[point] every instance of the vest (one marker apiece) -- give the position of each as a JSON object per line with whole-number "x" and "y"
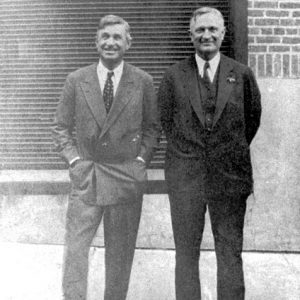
{"x": 208, "y": 99}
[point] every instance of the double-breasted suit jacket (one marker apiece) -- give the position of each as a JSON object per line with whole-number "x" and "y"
{"x": 107, "y": 143}
{"x": 218, "y": 160}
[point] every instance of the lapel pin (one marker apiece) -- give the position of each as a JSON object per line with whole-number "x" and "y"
{"x": 230, "y": 79}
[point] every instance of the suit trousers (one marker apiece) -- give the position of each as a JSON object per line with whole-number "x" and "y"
{"x": 121, "y": 222}
{"x": 227, "y": 213}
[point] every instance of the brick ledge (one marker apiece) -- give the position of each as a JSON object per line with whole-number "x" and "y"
{"x": 54, "y": 182}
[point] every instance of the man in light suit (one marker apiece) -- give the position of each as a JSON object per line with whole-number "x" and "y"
{"x": 106, "y": 128}
{"x": 210, "y": 112}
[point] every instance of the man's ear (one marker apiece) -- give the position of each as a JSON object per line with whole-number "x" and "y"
{"x": 128, "y": 44}
{"x": 191, "y": 35}
{"x": 97, "y": 40}
{"x": 224, "y": 32}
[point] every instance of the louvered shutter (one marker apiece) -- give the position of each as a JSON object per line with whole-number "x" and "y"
{"x": 44, "y": 40}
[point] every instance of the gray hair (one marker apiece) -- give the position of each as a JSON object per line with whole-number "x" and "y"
{"x": 114, "y": 20}
{"x": 205, "y": 10}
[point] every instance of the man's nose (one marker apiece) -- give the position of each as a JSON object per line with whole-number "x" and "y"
{"x": 110, "y": 41}
{"x": 206, "y": 34}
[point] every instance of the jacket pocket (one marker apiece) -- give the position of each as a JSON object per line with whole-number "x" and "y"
{"x": 139, "y": 171}
{"x": 81, "y": 174}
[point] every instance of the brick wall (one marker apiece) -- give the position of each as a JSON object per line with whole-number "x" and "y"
{"x": 274, "y": 38}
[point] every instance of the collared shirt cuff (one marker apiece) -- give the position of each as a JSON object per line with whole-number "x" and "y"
{"x": 73, "y": 160}
{"x": 140, "y": 159}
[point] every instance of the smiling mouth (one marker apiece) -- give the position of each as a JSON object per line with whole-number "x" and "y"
{"x": 207, "y": 44}
{"x": 110, "y": 51}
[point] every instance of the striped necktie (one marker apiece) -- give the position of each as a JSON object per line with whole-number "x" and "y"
{"x": 206, "y": 78}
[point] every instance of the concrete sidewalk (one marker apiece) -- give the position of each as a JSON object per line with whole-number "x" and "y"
{"x": 33, "y": 272}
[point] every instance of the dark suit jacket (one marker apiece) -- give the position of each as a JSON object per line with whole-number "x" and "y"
{"x": 216, "y": 161}
{"x": 107, "y": 144}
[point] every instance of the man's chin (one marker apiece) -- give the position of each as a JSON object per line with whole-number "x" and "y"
{"x": 110, "y": 61}
{"x": 207, "y": 53}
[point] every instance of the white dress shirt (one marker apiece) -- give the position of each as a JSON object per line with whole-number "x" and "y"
{"x": 102, "y": 75}
{"x": 213, "y": 65}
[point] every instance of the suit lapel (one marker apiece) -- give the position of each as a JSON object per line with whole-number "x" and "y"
{"x": 93, "y": 96}
{"x": 225, "y": 87}
{"x": 192, "y": 88}
{"x": 121, "y": 99}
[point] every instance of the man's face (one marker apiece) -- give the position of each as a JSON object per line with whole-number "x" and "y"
{"x": 112, "y": 44}
{"x": 207, "y": 34}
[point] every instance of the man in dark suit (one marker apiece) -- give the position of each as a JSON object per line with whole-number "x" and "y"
{"x": 210, "y": 112}
{"x": 106, "y": 128}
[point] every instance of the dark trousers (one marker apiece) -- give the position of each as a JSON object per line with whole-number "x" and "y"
{"x": 227, "y": 220}
{"x": 120, "y": 232}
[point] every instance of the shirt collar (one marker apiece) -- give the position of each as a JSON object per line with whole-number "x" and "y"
{"x": 102, "y": 70}
{"x": 213, "y": 63}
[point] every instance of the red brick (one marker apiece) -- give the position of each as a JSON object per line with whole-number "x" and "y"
{"x": 254, "y": 31}
{"x": 251, "y": 40}
{"x": 291, "y": 40}
{"x": 296, "y": 14}
{"x": 277, "y": 65}
{"x": 277, "y": 13}
{"x": 269, "y": 65}
{"x": 250, "y": 21}
{"x": 252, "y": 62}
{"x": 255, "y": 13}
{"x": 287, "y": 22}
{"x": 250, "y": 4}
{"x": 261, "y": 65}
{"x": 286, "y": 65}
{"x": 268, "y": 39}
{"x": 265, "y": 4}
{"x": 290, "y": 5}
{"x": 295, "y": 71}
{"x": 291, "y": 31}
{"x": 296, "y": 48}
{"x": 266, "y": 31}
{"x": 297, "y": 22}
{"x": 279, "y": 48}
{"x": 266, "y": 22}
{"x": 279, "y": 31}
{"x": 256, "y": 48}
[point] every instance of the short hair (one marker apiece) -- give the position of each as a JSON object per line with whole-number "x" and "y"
{"x": 205, "y": 10}
{"x": 114, "y": 20}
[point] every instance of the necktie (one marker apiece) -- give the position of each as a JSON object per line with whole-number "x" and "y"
{"x": 209, "y": 104}
{"x": 205, "y": 74}
{"x": 108, "y": 92}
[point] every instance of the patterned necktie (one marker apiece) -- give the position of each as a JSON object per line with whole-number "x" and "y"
{"x": 209, "y": 104}
{"x": 108, "y": 92}
{"x": 206, "y": 78}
